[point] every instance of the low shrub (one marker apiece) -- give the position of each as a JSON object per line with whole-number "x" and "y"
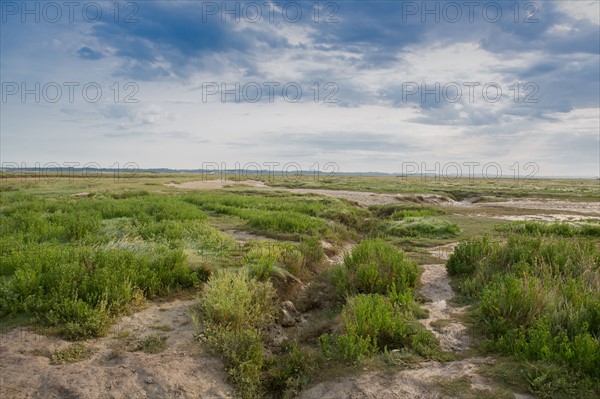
{"x": 414, "y": 213}
{"x": 288, "y": 372}
{"x": 243, "y": 354}
{"x": 375, "y": 266}
{"x": 234, "y": 300}
{"x": 235, "y": 308}
{"x": 403, "y": 210}
{"x": 77, "y": 289}
{"x": 537, "y": 298}
{"x": 72, "y": 354}
{"x": 509, "y": 303}
{"x": 463, "y": 260}
{"x": 373, "y": 324}
{"x": 286, "y": 255}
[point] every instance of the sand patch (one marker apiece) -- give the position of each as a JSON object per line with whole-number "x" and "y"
{"x": 183, "y": 370}
{"x": 417, "y": 383}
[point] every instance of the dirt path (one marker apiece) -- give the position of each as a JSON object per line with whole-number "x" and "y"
{"x": 182, "y": 370}
{"x": 442, "y": 321}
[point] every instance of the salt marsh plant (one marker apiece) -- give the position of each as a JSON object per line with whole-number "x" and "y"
{"x": 375, "y": 266}
{"x": 537, "y": 298}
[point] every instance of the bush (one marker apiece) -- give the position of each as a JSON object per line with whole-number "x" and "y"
{"x": 289, "y": 371}
{"x": 466, "y": 255}
{"x": 75, "y": 263}
{"x": 375, "y": 266}
{"x": 234, "y": 300}
{"x": 235, "y": 308}
{"x": 414, "y": 213}
{"x": 347, "y": 348}
{"x": 153, "y": 343}
{"x": 509, "y": 303}
{"x": 77, "y": 289}
{"x": 312, "y": 251}
{"x": 270, "y": 254}
{"x": 538, "y": 298}
{"x": 373, "y": 324}
{"x": 373, "y": 316}
{"x": 242, "y": 352}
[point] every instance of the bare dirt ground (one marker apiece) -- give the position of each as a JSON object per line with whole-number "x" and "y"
{"x": 537, "y": 210}
{"x": 418, "y": 383}
{"x": 182, "y": 370}
{"x": 451, "y": 333}
{"x": 337, "y": 257}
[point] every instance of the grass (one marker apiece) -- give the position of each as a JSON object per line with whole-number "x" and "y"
{"x": 403, "y": 210}
{"x": 152, "y": 344}
{"x": 379, "y": 315}
{"x": 375, "y": 266}
{"x": 162, "y": 327}
{"x": 72, "y": 354}
{"x": 542, "y": 379}
{"x": 237, "y": 301}
{"x": 584, "y": 189}
{"x": 536, "y": 298}
{"x": 373, "y": 324}
{"x": 551, "y": 229}
{"x": 74, "y": 264}
{"x": 284, "y": 215}
{"x": 235, "y": 308}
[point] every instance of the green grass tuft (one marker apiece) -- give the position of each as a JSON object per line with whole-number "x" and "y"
{"x": 375, "y": 266}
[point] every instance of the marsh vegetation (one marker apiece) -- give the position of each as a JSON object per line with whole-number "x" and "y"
{"x": 316, "y": 287}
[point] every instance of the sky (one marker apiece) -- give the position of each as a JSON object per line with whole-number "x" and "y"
{"x": 466, "y": 87}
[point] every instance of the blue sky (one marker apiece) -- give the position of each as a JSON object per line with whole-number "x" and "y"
{"x": 383, "y": 84}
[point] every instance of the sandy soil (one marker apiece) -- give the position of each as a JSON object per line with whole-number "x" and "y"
{"x": 435, "y": 285}
{"x": 418, "y": 383}
{"x": 338, "y": 257}
{"x": 443, "y": 252}
{"x": 183, "y": 370}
